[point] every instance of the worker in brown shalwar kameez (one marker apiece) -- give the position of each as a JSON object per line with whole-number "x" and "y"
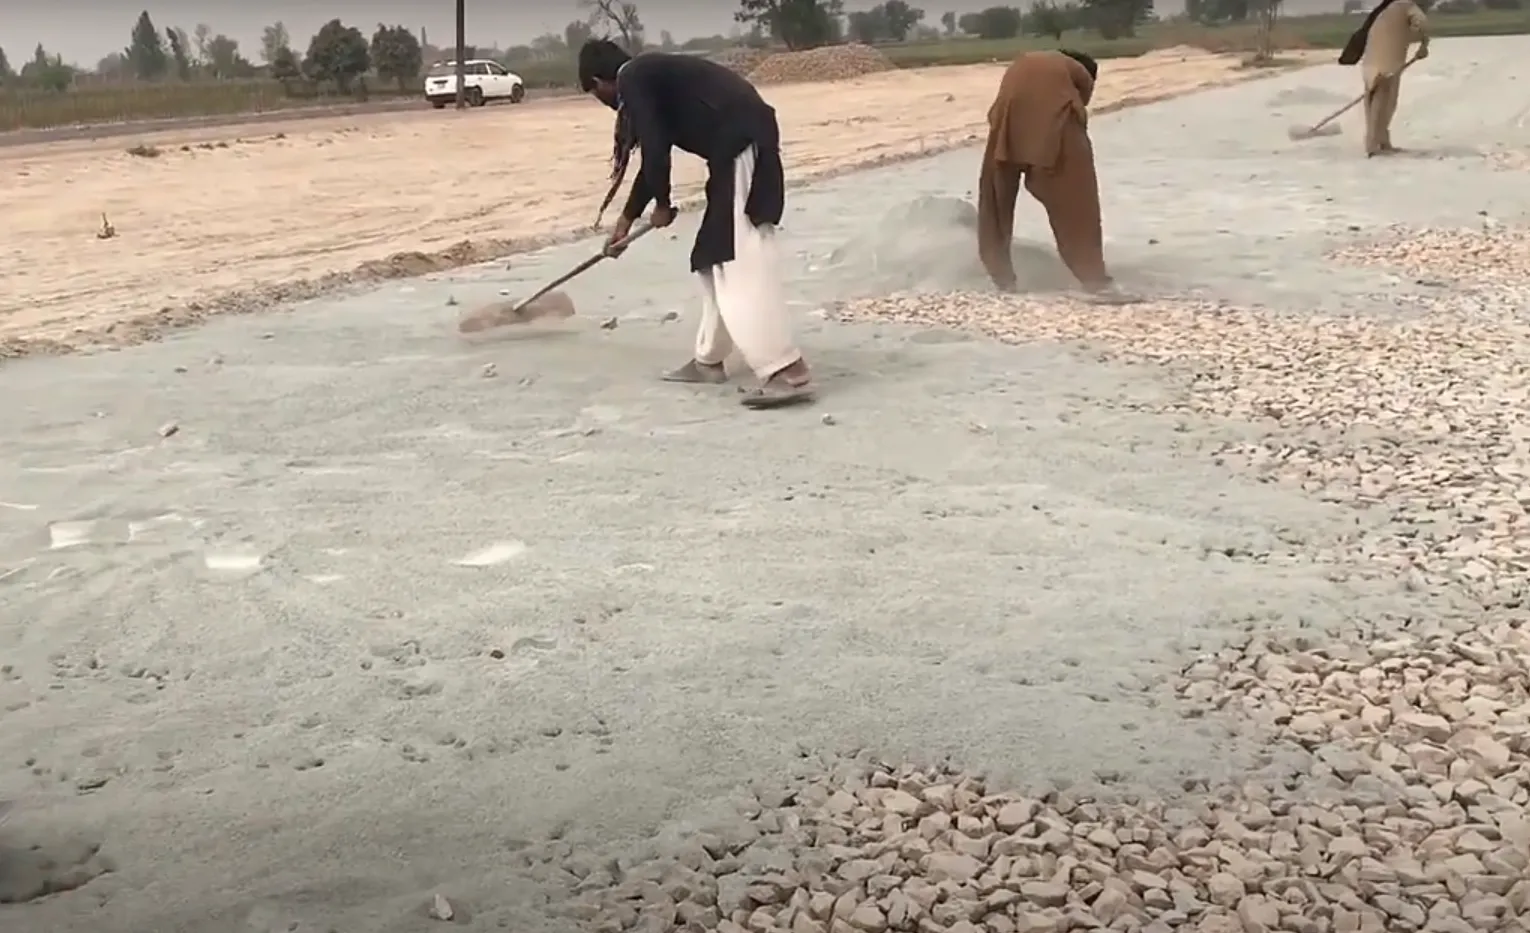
{"x": 1381, "y": 44}
{"x": 1038, "y": 130}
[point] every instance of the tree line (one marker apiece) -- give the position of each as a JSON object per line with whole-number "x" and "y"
{"x": 337, "y": 54}
{"x": 800, "y": 24}
{"x": 341, "y": 55}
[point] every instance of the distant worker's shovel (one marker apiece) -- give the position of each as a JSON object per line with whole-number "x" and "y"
{"x": 1326, "y": 126}
{"x": 547, "y": 303}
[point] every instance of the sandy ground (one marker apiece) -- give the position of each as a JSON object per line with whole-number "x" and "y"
{"x": 233, "y": 217}
{"x": 307, "y": 619}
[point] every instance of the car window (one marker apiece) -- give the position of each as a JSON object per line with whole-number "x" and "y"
{"x": 496, "y": 69}
{"x": 439, "y": 70}
{"x": 482, "y": 69}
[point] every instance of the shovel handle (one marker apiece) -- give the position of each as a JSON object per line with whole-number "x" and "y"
{"x": 1352, "y": 104}
{"x": 584, "y": 267}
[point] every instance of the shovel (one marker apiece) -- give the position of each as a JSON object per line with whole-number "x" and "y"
{"x": 547, "y": 303}
{"x": 1322, "y": 127}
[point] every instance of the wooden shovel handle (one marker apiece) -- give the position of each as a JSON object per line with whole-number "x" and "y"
{"x": 583, "y": 267}
{"x": 1352, "y": 104}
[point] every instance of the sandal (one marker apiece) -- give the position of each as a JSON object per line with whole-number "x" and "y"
{"x": 697, "y": 373}
{"x": 778, "y": 393}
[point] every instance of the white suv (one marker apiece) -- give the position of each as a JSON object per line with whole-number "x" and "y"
{"x": 486, "y": 80}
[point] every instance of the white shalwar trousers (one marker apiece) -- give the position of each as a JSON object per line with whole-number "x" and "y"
{"x": 743, "y": 305}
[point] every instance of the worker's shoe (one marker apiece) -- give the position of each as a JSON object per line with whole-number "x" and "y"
{"x": 696, "y": 372}
{"x": 792, "y": 385}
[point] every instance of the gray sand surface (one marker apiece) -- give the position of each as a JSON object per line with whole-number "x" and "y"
{"x": 244, "y": 661}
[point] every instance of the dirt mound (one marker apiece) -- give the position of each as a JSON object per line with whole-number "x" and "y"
{"x": 742, "y": 60}
{"x": 830, "y": 63}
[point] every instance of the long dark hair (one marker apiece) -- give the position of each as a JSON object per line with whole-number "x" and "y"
{"x": 623, "y": 143}
{"x": 601, "y": 60}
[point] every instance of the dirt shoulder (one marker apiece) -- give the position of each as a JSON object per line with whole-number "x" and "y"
{"x": 239, "y": 218}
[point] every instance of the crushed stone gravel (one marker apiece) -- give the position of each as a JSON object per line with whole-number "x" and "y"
{"x": 1408, "y": 808}
{"x": 829, "y": 63}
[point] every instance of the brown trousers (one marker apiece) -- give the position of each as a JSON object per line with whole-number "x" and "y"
{"x": 1070, "y": 193}
{"x": 1380, "y": 108}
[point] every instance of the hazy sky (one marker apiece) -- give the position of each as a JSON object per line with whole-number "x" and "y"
{"x": 93, "y": 28}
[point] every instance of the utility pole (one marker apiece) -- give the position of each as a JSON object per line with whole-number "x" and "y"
{"x": 461, "y": 54}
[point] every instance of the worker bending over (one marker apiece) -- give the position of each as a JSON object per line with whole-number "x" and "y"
{"x": 1038, "y": 130}
{"x": 1381, "y": 44}
{"x": 666, "y": 102}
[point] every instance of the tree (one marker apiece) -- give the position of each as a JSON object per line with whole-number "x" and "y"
{"x": 901, "y": 18}
{"x": 47, "y": 72}
{"x": 1217, "y": 12}
{"x": 618, "y": 20}
{"x": 147, "y": 53}
{"x": 396, "y": 54}
{"x": 7, "y": 74}
{"x": 867, "y": 25}
{"x": 575, "y": 34}
{"x": 1117, "y": 19}
{"x": 337, "y": 53}
{"x": 797, "y": 24}
{"x": 666, "y": 41}
{"x": 273, "y": 39}
{"x": 996, "y": 22}
{"x": 178, "y": 53}
{"x": 285, "y": 66}
{"x": 1267, "y": 12}
{"x": 948, "y": 22}
{"x": 114, "y": 66}
{"x": 1045, "y": 19}
{"x": 202, "y": 35}
{"x": 223, "y": 58}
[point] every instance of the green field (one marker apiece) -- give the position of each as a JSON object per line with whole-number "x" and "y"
{"x": 38, "y": 109}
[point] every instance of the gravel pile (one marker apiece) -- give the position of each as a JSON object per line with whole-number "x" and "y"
{"x": 1429, "y": 834}
{"x": 1402, "y": 799}
{"x": 742, "y": 59}
{"x": 1420, "y": 420}
{"x": 1494, "y": 255}
{"x": 830, "y": 63}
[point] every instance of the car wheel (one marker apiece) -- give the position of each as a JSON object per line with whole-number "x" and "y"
{"x": 517, "y": 93}
{"x": 438, "y": 104}
{"x": 475, "y": 97}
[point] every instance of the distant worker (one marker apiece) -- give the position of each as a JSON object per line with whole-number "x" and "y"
{"x": 664, "y": 101}
{"x": 1038, "y": 130}
{"x": 1381, "y": 43}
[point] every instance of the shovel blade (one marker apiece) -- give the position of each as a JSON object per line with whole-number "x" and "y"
{"x": 553, "y": 306}
{"x": 1313, "y": 132}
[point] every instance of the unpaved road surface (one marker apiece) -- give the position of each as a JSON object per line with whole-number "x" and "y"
{"x": 324, "y": 620}
{"x": 241, "y": 218}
